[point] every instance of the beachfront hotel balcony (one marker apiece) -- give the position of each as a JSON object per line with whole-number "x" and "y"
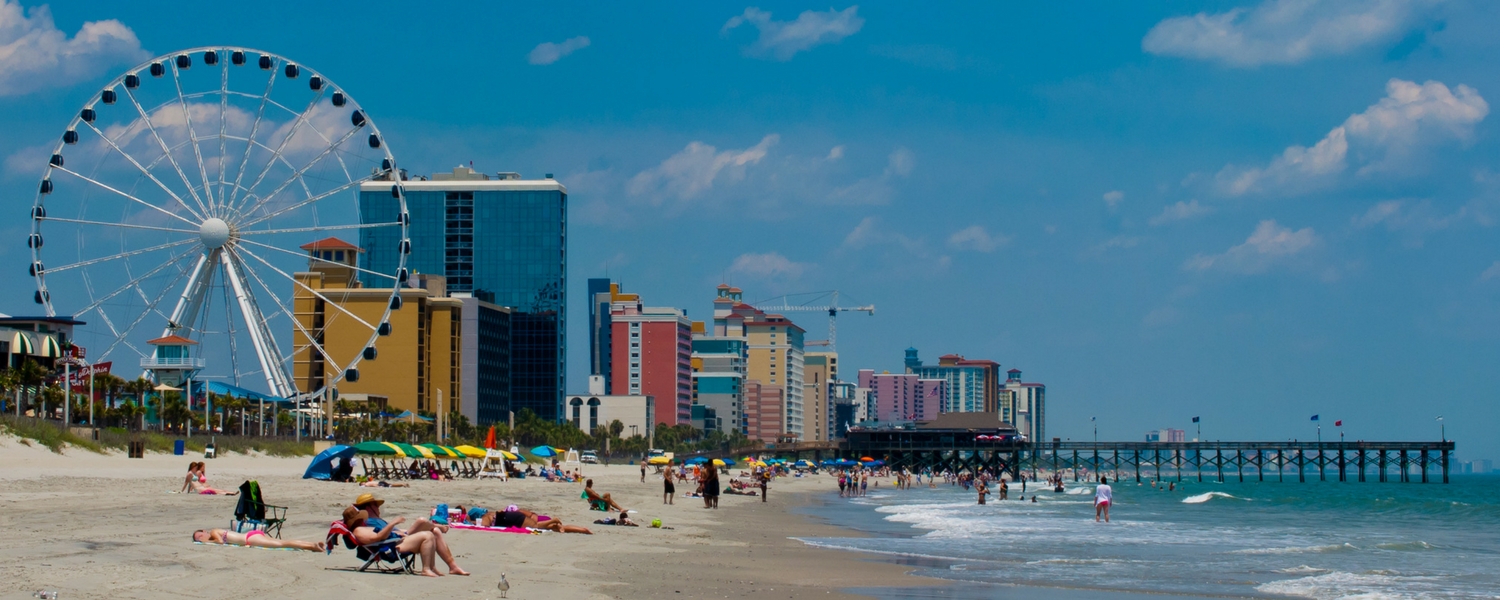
{"x": 156, "y": 362}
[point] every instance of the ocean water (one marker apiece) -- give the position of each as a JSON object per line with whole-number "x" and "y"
{"x": 1275, "y": 540}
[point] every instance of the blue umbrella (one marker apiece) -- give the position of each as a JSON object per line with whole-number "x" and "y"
{"x": 696, "y": 460}
{"x": 321, "y": 467}
{"x": 875, "y": 463}
{"x": 544, "y": 451}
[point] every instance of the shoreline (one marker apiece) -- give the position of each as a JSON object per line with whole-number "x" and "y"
{"x": 106, "y": 526}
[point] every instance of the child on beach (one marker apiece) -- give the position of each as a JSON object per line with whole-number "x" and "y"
{"x": 1102, "y": 497}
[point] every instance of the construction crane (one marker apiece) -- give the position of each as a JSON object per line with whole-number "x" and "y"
{"x": 832, "y": 308}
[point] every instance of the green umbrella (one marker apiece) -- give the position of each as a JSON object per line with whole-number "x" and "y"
{"x": 414, "y": 451}
{"x": 443, "y": 451}
{"x": 378, "y": 449}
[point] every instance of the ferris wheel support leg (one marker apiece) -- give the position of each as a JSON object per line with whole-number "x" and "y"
{"x": 271, "y": 362}
{"x": 192, "y": 296}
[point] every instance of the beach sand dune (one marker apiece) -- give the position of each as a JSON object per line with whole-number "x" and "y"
{"x": 105, "y": 526}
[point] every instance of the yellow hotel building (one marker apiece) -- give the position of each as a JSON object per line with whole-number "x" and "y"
{"x": 415, "y": 364}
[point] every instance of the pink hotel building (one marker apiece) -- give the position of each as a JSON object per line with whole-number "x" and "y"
{"x": 904, "y": 396}
{"x": 651, "y": 352}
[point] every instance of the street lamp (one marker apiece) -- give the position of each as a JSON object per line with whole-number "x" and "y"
{"x": 1095, "y": 421}
{"x": 1442, "y": 428}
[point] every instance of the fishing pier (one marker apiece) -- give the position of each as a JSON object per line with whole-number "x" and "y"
{"x": 998, "y": 451}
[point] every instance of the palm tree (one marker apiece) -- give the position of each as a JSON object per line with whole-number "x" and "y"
{"x": 9, "y": 385}
{"x": 30, "y": 376}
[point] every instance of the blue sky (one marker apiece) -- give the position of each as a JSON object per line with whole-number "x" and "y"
{"x": 1248, "y": 211}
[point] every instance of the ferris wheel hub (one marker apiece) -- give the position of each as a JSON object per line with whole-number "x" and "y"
{"x": 214, "y": 232}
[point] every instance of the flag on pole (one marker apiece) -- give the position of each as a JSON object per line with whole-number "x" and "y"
{"x": 1195, "y": 419}
{"x": 1338, "y": 423}
{"x": 1315, "y": 417}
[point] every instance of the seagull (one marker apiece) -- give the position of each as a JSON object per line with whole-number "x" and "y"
{"x": 504, "y": 586}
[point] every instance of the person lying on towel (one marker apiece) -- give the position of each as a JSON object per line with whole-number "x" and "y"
{"x": 254, "y": 538}
{"x": 514, "y": 516}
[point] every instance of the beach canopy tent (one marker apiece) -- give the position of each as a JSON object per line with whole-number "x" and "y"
{"x": 544, "y": 451}
{"x": 411, "y": 416}
{"x": 321, "y": 467}
{"x": 470, "y": 451}
{"x": 379, "y": 449}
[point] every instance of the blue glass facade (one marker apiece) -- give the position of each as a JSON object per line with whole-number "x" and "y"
{"x": 600, "y": 331}
{"x": 503, "y": 241}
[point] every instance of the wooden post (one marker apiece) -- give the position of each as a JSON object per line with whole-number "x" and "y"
{"x": 1381, "y": 460}
{"x": 1405, "y": 466}
{"x": 1301, "y": 466}
{"x": 1361, "y": 465}
{"x": 1341, "y": 464}
{"x": 1424, "y": 465}
{"x": 1177, "y": 458}
{"x": 1138, "y": 465}
{"x": 1075, "y": 466}
{"x": 1445, "y": 465}
{"x": 1219, "y": 462}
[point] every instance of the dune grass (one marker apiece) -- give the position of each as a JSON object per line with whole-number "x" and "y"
{"x": 56, "y": 438}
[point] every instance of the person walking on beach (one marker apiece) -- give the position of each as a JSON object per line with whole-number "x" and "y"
{"x": 765, "y": 480}
{"x": 669, "y": 490}
{"x": 643, "y": 470}
{"x": 1102, "y": 497}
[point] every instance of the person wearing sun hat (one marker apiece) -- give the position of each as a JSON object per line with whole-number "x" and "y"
{"x": 422, "y": 543}
{"x": 370, "y": 504}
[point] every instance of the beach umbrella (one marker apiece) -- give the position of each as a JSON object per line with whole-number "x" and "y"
{"x": 866, "y": 459}
{"x": 414, "y": 451}
{"x": 379, "y": 449}
{"x": 509, "y": 456}
{"x": 659, "y": 460}
{"x": 442, "y": 451}
{"x": 875, "y": 463}
{"x": 696, "y": 460}
{"x": 720, "y": 462}
{"x": 470, "y": 451}
{"x": 489, "y": 439}
{"x": 321, "y": 467}
{"x": 544, "y": 451}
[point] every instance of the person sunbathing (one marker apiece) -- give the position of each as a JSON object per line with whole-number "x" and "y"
{"x": 371, "y": 505}
{"x": 382, "y": 483}
{"x": 254, "y": 538}
{"x": 197, "y": 482}
{"x": 514, "y": 516}
{"x": 593, "y": 496}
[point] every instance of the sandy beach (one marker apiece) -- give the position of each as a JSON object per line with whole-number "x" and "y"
{"x": 106, "y": 526}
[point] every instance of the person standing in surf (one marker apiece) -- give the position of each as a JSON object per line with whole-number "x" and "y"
{"x": 1103, "y": 495}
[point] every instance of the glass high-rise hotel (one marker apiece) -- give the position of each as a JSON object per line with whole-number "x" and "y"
{"x": 504, "y": 241}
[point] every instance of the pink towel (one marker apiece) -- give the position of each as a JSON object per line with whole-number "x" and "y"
{"x": 498, "y": 529}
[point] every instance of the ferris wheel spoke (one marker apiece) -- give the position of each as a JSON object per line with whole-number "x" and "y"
{"x": 297, "y": 174}
{"x": 255, "y": 323}
{"x": 150, "y": 308}
{"x": 165, "y": 150}
{"x": 318, "y": 228}
{"x": 317, "y": 259}
{"x": 121, "y": 255}
{"x": 134, "y": 282}
{"x": 260, "y": 113}
{"x": 223, "y": 132}
{"x": 291, "y": 133}
{"x": 187, "y": 118}
{"x": 122, "y": 225}
{"x": 143, "y": 170}
{"x": 312, "y": 341}
{"x": 307, "y": 289}
{"x": 303, "y": 203}
{"x": 130, "y": 197}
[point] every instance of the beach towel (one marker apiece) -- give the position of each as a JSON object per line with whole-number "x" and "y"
{"x": 239, "y": 546}
{"x": 495, "y": 529}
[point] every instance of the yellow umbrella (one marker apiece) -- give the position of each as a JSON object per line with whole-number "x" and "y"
{"x": 509, "y": 456}
{"x": 470, "y": 451}
{"x": 411, "y": 451}
{"x": 659, "y": 460}
{"x": 444, "y": 451}
{"x": 719, "y": 462}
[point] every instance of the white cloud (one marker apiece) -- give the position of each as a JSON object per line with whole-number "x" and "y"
{"x": 693, "y": 171}
{"x": 976, "y": 238}
{"x": 1384, "y": 137}
{"x": 1412, "y": 220}
{"x": 1283, "y": 31}
{"x": 836, "y": 153}
{"x": 1493, "y": 272}
{"x": 547, "y": 53}
{"x": 878, "y": 189}
{"x": 1181, "y": 211}
{"x": 1113, "y": 198}
{"x": 862, "y": 235}
{"x": 1267, "y": 245}
{"x": 771, "y": 265}
{"x": 35, "y": 54}
{"x": 782, "y": 40}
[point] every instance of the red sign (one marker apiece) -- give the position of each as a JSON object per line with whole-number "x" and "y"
{"x": 79, "y": 377}
{"x": 76, "y": 352}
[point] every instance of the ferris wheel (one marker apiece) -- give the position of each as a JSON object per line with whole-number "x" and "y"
{"x": 182, "y": 199}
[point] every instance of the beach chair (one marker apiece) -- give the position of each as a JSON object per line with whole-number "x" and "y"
{"x": 252, "y": 512}
{"x": 382, "y": 556}
{"x": 599, "y": 505}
